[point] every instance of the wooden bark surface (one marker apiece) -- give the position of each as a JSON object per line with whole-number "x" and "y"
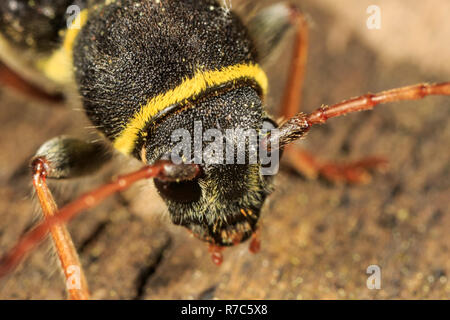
{"x": 317, "y": 239}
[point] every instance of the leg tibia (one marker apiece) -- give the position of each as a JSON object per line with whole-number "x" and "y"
{"x": 76, "y": 284}
{"x": 67, "y": 157}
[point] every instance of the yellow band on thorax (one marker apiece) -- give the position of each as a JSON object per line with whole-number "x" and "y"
{"x": 189, "y": 88}
{"x": 59, "y": 66}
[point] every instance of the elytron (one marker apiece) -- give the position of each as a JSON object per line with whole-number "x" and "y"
{"x": 145, "y": 68}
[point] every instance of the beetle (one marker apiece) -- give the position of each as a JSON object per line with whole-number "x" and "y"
{"x": 140, "y": 79}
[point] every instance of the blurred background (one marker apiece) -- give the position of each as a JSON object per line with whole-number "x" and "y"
{"x": 317, "y": 239}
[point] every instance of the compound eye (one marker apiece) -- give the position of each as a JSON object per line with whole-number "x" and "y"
{"x": 181, "y": 192}
{"x": 269, "y": 124}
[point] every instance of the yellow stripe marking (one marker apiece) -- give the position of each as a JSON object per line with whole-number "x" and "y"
{"x": 189, "y": 88}
{"x": 59, "y": 66}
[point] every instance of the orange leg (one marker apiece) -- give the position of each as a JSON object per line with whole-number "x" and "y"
{"x": 292, "y": 97}
{"x": 300, "y": 160}
{"x": 75, "y": 280}
{"x": 163, "y": 170}
{"x": 12, "y": 80}
{"x": 353, "y": 172}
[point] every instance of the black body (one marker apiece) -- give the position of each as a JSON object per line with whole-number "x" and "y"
{"x": 35, "y": 24}
{"x": 130, "y": 51}
{"x": 144, "y": 48}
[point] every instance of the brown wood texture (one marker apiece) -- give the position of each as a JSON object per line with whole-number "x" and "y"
{"x": 317, "y": 239}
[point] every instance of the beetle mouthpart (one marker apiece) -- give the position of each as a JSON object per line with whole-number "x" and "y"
{"x": 216, "y": 254}
{"x": 255, "y": 242}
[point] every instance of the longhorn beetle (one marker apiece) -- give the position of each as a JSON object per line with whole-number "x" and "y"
{"x": 146, "y": 68}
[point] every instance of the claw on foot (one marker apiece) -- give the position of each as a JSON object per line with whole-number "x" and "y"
{"x": 356, "y": 173}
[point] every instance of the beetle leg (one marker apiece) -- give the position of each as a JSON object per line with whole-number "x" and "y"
{"x": 163, "y": 170}
{"x": 356, "y": 172}
{"x": 267, "y": 28}
{"x": 292, "y": 96}
{"x": 61, "y": 158}
{"x": 271, "y": 25}
{"x": 69, "y": 157}
{"x": 76, "y": 283}
{"x": 12, "y": 80}
{"x": 299, "y": 159}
